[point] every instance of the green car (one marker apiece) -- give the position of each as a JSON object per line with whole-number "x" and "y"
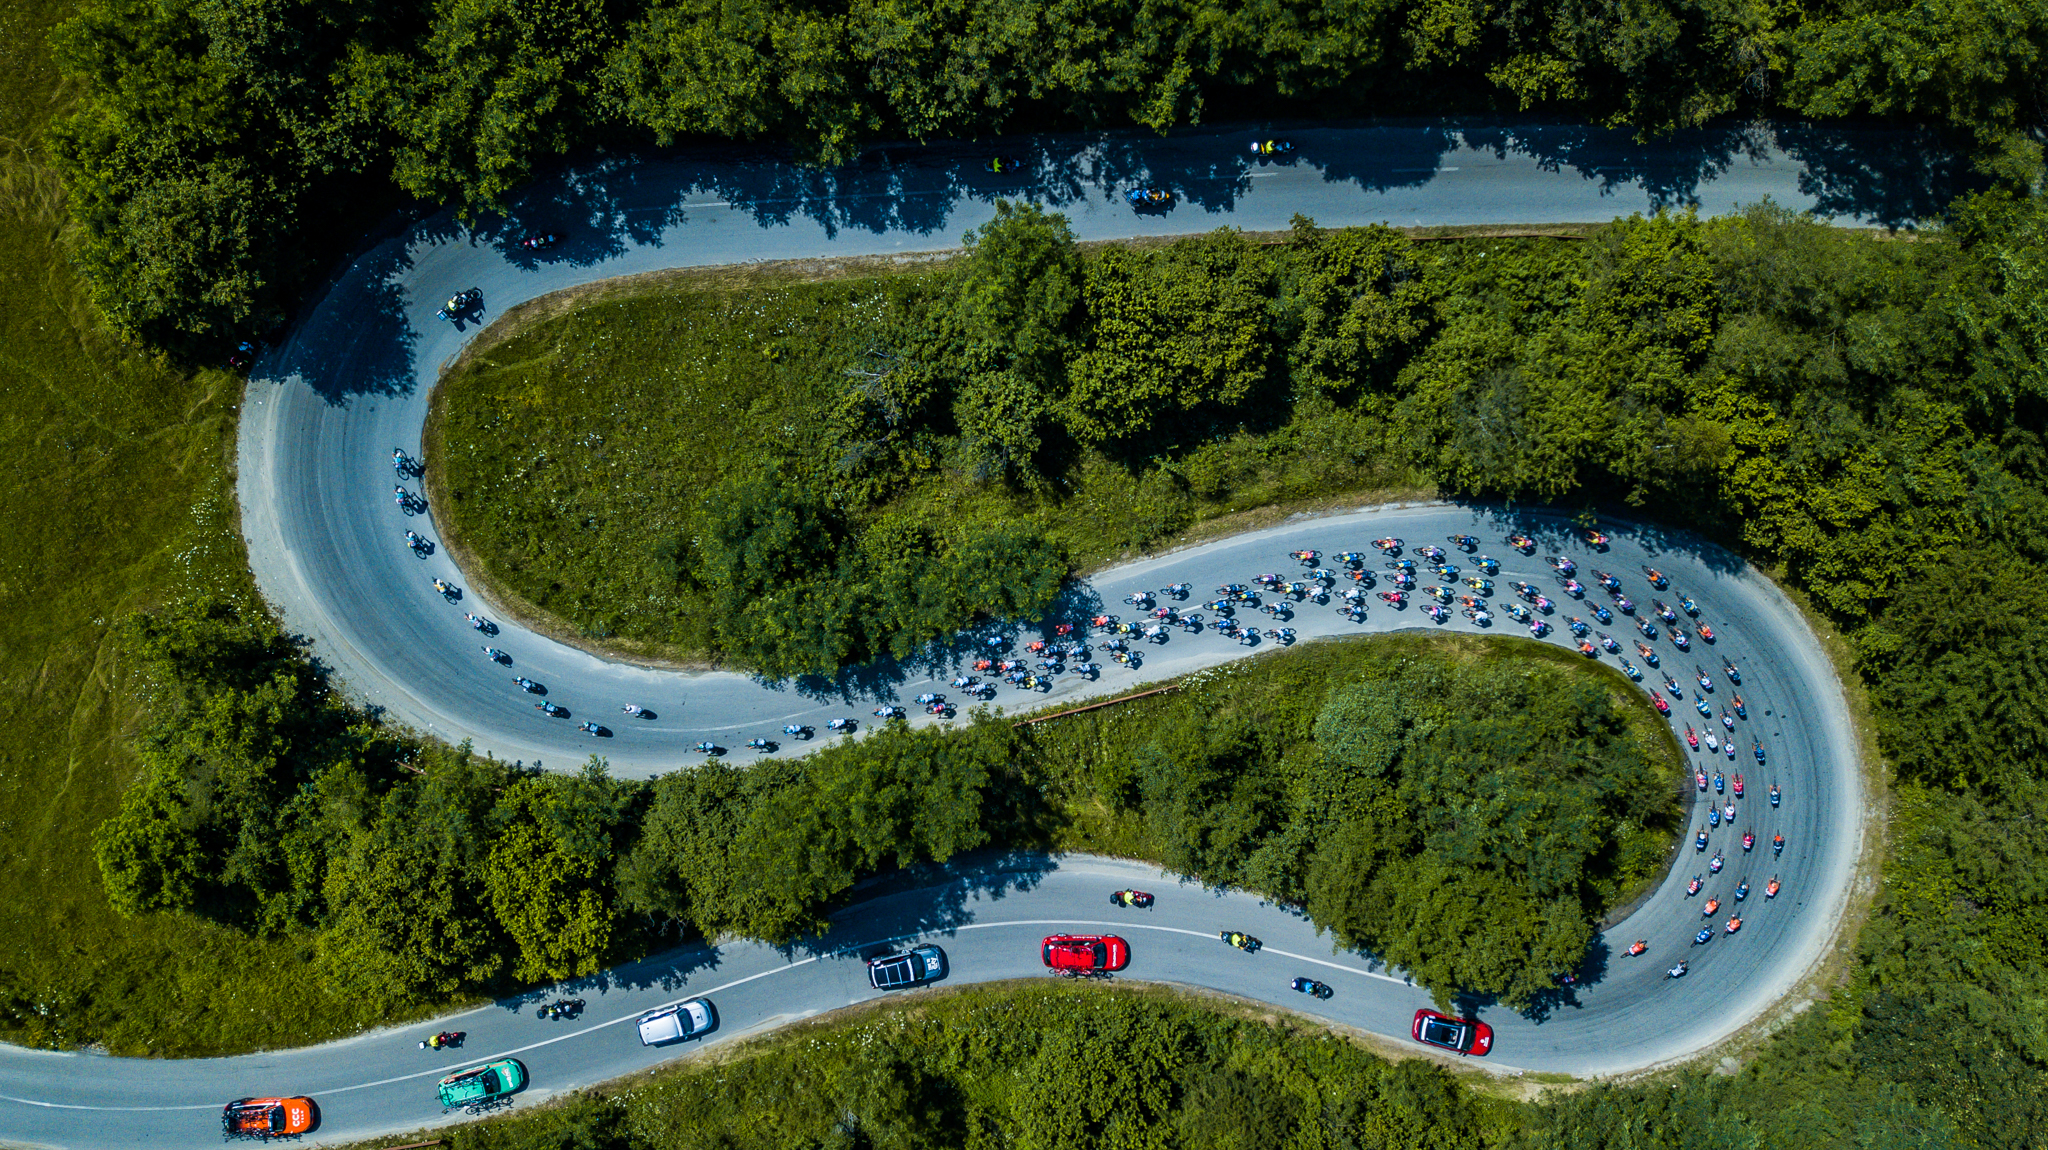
{"x": 481, "y": 1086}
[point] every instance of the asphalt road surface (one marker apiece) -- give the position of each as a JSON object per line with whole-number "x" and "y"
{"x": 326, "y": 541}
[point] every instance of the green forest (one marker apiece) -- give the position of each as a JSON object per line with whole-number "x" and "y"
{"x": 1831, "y": 403}
{"x": 217, "y": 143}
{"x": 1366, "y": 778}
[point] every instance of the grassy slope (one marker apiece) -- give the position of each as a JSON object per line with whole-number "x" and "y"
{"x": 119, "y": 496}
{"x": 572, "y": 447}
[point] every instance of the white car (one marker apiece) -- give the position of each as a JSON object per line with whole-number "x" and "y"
{"x": 675, "y": 1023}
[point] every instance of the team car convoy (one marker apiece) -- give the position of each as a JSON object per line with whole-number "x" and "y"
{"x": 267, "y": 1117}
{"x": 676, "y": 1022}
{"x": 1098, "y": 955}
{"x": 1085, "y": 954}
{"x": 910, "y": 968}
{"x": 1462, "y": 1035}
{"x": 482, "y": 1087}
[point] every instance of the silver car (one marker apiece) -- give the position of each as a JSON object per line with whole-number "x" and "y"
{"x": 675, "y": 1023}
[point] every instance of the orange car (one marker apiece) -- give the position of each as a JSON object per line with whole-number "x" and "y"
{"x": 267, "y": 1117}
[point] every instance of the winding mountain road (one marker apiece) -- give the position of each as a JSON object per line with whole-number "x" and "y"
{"x": 325, "y": 541}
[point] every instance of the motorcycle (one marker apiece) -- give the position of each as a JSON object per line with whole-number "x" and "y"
{"x": 1240, "y": 940}
{"x": 559, "y": 1009}
{"x": 1131, "y": 898}
{"x": 1312, "y": 988}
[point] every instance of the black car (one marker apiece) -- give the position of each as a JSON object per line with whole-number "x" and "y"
{"x": 910, "y": 968}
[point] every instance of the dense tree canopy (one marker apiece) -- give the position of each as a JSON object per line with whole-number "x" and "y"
{"x": 214, "y": 134}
